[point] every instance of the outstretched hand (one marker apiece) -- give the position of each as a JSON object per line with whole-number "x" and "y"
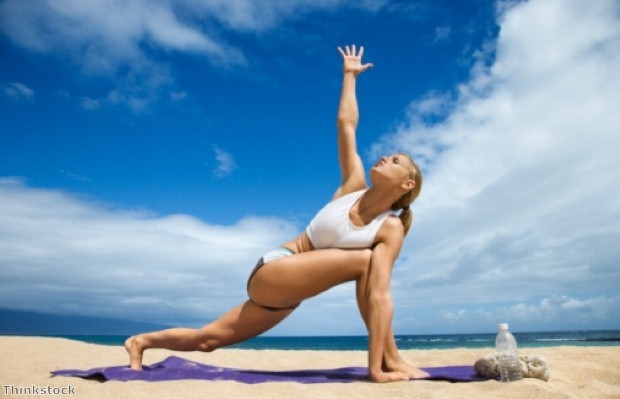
{"x": 352, "y": 62}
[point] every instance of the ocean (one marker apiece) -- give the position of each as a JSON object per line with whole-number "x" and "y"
{"x": 440, "y": 341}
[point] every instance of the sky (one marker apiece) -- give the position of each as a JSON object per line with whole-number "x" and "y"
{"x": 152, "y": 151}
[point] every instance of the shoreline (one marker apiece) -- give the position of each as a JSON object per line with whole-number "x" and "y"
{"x": 576, "y": 372}
{"x": 526, "y": 340}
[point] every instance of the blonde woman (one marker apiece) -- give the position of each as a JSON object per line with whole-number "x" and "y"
{"x": 355, "y": 237}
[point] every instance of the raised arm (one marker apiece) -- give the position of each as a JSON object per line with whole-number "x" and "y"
{"x": 353, "y": 175}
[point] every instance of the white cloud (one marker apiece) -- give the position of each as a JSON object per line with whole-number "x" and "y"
{"x": 250, "y": 15}
{"x": 225, "y": 163}
{"x": 90, "y": 104}
{"x": 442, "y": 33}
{"x": 62, "y": 253}
{"x": 74, "y": 176}
{"x": 103, "y": 36}
{"x": 126, "y": 41}
{"x": 547, "y": 314}
{"x": 18, "y": 92}
{"x": 178, "y": 96}
{"x": 521, "y": 197}
{"x": 450, "y": 316}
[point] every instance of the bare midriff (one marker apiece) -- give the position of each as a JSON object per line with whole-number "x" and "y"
{"x": 300, "y": 244}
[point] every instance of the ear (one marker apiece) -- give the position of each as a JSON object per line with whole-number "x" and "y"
{"x": 408, "y": 185}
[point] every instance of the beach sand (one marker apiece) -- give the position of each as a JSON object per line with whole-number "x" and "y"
{"x": 576, "y": 372}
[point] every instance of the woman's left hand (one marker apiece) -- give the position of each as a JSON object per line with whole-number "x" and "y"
{"x": 352, "y": 62}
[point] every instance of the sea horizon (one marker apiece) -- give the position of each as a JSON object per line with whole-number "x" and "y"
{"x": 531, "y": 339}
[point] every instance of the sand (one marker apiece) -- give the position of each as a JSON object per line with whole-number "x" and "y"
{"x": 576, "y": 372}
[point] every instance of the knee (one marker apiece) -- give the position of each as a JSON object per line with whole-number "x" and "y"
{"x": 204, "y": 342}
{"x": 208, "y": 346}
{"x": 205, "y": 347}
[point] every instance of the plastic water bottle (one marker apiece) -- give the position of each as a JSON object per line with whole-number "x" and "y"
{"x": 507, "y": 354}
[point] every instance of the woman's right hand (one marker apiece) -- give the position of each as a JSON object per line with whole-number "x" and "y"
{"x": 352, "y": 62}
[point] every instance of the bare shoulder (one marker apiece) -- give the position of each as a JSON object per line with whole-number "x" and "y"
{"x": 391, "y": 231}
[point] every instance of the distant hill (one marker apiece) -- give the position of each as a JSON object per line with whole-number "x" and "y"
{"x": 13, "y": 322}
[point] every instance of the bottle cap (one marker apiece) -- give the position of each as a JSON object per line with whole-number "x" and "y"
{"x": 502, "y": 326}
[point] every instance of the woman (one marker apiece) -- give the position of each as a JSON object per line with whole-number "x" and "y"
{"x": 355, "y": 237}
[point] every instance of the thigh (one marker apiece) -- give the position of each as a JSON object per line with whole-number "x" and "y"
{"x": 287, "y": 281}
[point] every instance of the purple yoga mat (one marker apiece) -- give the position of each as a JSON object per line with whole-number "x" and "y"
{"x": 177, "y": 368}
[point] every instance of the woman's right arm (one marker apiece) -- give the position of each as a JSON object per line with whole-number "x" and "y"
{"x": 353, "y": 174}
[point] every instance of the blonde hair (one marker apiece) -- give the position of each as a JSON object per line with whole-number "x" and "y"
{"x": 406, "y": 215}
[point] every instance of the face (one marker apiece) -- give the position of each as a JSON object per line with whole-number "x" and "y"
{"x": 392, "y": 169}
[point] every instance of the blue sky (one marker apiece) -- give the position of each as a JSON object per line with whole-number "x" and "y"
{"x": 151, "y": 151}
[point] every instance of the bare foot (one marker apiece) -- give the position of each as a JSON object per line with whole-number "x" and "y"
{"x": 134, "y": 349}
{"x": 391, "y": 376}
{"x": 409, "y": 370}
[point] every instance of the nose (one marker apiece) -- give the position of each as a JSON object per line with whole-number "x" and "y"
{"x": 382, "y": 161}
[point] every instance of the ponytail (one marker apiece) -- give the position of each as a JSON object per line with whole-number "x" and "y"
{"x": 406, "y": 215}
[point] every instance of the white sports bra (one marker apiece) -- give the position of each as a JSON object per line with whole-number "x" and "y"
{"x": 332, "y": 227}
